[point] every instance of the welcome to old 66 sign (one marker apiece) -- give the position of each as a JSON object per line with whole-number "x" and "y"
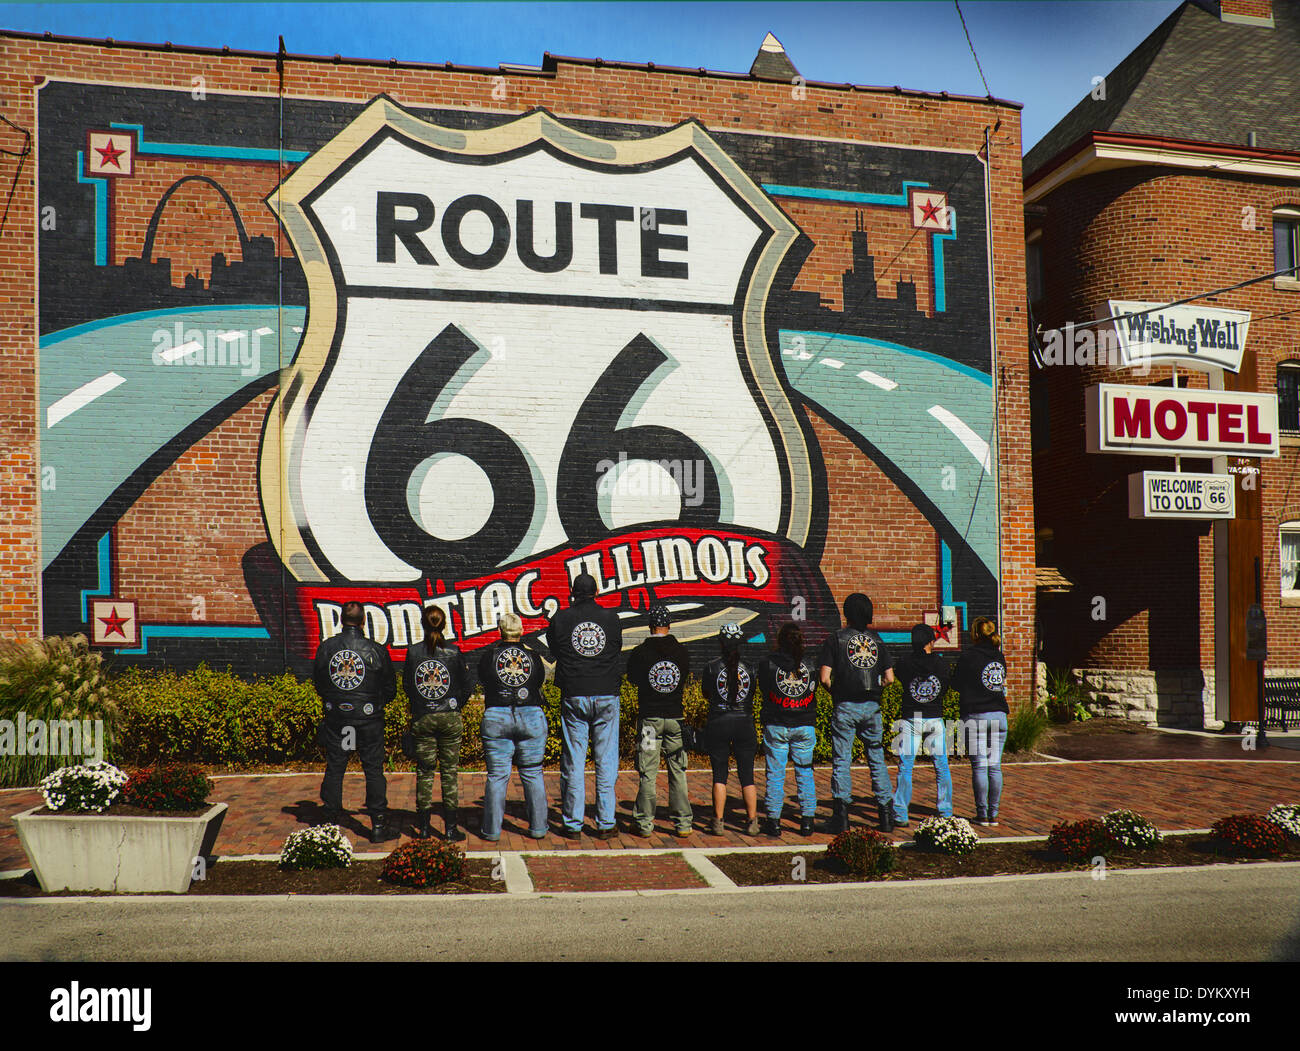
{"x": 506, "y": 327}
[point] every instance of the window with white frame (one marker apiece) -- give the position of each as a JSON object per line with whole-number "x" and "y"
{"x": 1289, "y": 534}
{"x": 1286, "y": 240}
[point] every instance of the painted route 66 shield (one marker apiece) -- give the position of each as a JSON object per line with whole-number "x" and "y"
{"x": 524, "y": 341}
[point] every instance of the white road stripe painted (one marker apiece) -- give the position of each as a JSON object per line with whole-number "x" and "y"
{"x": 831, "y": 363}
{"x": 877, "y": 379}
{"x": 975, "y": 445}
{"x": 181, "y": 351}
{"x": 81, "y": 397}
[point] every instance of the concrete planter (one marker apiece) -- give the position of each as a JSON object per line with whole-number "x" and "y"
{"x": 120, "y": 854}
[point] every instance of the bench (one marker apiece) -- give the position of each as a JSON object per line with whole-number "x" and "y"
{"x": 1281, "y": 702}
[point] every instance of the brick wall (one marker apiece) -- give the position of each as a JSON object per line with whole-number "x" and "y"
{"x": 184, "y": 531}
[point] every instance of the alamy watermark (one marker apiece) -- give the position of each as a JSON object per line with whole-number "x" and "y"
{"x": 23, "y": 736}
{"x": 659, "y": 478}
{"x": 213, "y": 348}
{"x": 956, "y": 736}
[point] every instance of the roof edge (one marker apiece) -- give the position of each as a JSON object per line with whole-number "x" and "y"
{"x": 547, "y": 69}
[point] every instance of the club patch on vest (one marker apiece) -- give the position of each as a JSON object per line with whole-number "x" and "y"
{"x": 925, "y": 690}
{"x": 796, "y": 683}
{"x": 994, "y": 676}
{"x": 742, "y": 683}
{"x": 347, "y": 669}
{"x": 514, "y": 667}
{"x": 588, "y": 639}
{"x": 863, "y": 651}
{"x": 432, "y": 680}
{"x": 665, "y": 677}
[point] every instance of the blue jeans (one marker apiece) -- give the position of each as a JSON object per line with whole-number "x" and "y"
{"x": 985, "y": 735}
{"x": 858, "y": 719}
{"x": 914, "y": 735}
{"x": 796, "y": 743}
{"x": 515, "y": 735}
{"x": 578, "y": 716}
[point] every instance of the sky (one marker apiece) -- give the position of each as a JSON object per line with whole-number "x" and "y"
{"x": 1041, "y": 54}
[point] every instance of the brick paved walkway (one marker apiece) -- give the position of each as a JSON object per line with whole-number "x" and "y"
{"x": 1173, "y": 793}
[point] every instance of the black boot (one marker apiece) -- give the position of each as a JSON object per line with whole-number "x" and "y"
{"x": 771, "y": 827}
{"x": 839, "y": 820}
{"x": 381, "y": 830}
{"x": 423, "y": 828}
{"x": 886, "y": 816}
{"x": 454, "y": 834}
{"x": 805, "y": 826}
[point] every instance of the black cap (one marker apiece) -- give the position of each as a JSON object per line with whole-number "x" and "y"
{"x": 660, "y": 617}
{"x": 583, "y": 586}
{"x": 922, "y": 636}
{"x": 731, "y": 635}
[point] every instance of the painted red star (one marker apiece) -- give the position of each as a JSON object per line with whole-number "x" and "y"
{"x": 109, "y": 154}
{"x": 930, "y": 212}
{"x": 113, "y": 623}
{"x": 941, "y": 632}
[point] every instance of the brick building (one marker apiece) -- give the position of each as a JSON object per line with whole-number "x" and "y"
{"x": 284, "y": 330}
{"x": 1178, "y": 176}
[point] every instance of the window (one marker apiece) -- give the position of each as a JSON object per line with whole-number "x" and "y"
{"x": 1290, "y": 564}
{"x": 1286, "y": 240}
{"x": 1034, "y": 268}
{"x": 1288, "y": 395}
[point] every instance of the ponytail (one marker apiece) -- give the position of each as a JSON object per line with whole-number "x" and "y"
{"x": 435, "y": 621}
{"x": 984, "y": 630}
{"x": 731, "y": 658}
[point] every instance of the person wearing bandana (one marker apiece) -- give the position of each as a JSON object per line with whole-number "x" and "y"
{"x": 729, "y": 685}
{"x": 514, "y": 727}
{"x": 355, "y": 679}
{"x": 855, "y": 665}
{"x": 438, "y": 681}
{"x": 789, "y": 686}
{"x": 586, "y": 641}
{"x": 658, "y": 668}
{"x": 924, "y": 677}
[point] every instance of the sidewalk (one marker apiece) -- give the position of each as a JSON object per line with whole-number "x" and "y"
{"x": 1173, "y": 793}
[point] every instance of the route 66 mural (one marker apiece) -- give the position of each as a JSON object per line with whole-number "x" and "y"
{"x": 484, "y": 355}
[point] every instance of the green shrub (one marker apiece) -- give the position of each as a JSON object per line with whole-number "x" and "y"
{"x": 1250, "y": 834}
{"x": 1025, "y": 728}
{"x": 322, "y": 847}
{"x": 59, "y": 680}
{"x": 170, "y": 786}
{"x": 864, "y": 852}
{"x": 1079, "y": 840}
{"x": 424, "y": 863}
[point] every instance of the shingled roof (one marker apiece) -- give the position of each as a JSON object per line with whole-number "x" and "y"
{"x": 1197, "y": 78}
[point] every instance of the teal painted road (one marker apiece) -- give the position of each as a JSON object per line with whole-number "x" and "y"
{"x": 114, "y": 392}
{"x": 930, "y": 417}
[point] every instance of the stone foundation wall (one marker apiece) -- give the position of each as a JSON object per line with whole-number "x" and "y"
{"x": 1182, "y": 698}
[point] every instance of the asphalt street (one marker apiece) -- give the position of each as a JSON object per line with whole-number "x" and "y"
{"x": 1211, "y": 914}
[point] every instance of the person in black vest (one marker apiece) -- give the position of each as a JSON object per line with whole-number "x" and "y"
{"x": 729, "y": 685}
{"x": 855, "y": 665}
{"x": 789, "y": 687}
{"x": 586, "y": 641}
{"x": 514, "y": 727}
{"x": 980, "y": 680}
{"x": 355, "y": 679}
{"x": 924, "y": 677}
{"x": 438, "y": 681}
{"x": 658, "y": 669}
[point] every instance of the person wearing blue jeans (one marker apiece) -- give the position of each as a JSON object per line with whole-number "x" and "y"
{"x": 980, "y": 681}
{"x": 581, "y": 718}
{"x": 789, "y": 687}
{"x": 924, "y": 678}
{"x": 986, "y": 735}
{"x": 855, "y": 665}
{"x": 586, "y": 641}
{"x": 514, "y": 727}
